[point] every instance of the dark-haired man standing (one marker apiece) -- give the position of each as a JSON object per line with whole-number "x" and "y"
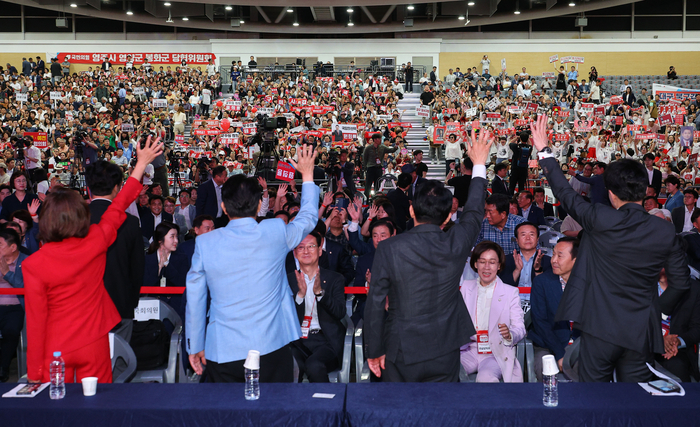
{"x": 242, "y": 267}
{"x": 427, "y": 322}
{"x": 125, "y": 258}
{"x": 209, "y": 197}
{"x": 612, "y": 293}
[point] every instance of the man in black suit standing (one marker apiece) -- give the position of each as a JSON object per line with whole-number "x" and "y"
{"x": 547, "y": 207}
{"x": 692, "y": 241}
{"x": 498, "y": 184}
{"x": 400, "y": 201}
{"x": 522, "y": 152}
{"x": 123, "y": 276}
{"x": 612, "y": 294}
{"x": 416, "y": 181}
{"x": 320, "y": 301}
{"x": 344, "y": 174}
{"x": 106, "y": 65}
{"x": 654, "y": 175}
{"x": 409, "y": 77}
{"x": 40, "y": 66}
{"x": 528, "y": 210}
{"x": 209, "y": 197}
{"x": 427, "y": 320}
{"x": 152, "y": 216}
{"x": 461, "y": 183}
{"x": 599, "y": 194}
{"x": 682, "y": 215}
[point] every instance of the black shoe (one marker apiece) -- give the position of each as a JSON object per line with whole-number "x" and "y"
{"x": 4, "y": 375}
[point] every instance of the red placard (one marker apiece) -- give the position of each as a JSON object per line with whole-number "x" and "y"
{"x": 645, "y": 136}
{"x": 561, "y": 137}
{"x": 179, "y": 139}
{"x": 285, "y": 172}
{"x": 665, "y": 119}
{"x": 203, "y": 132}
{"x": 449, "y": 111}
{"x": 209, "y": 123}
{"x": 439, "y": 135}
{"x": 616, "y": 99}
{"x": 618, "y": 120}
{"x": 136, "y": 58}
{"x": 667, "y": 109}
{"x": 40, "y": 139}
{"x": 679, "y": 119}
{"x": 599, "y": 111}
{"x": 637, "y": 128}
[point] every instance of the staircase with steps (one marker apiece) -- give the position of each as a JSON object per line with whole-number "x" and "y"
{"x": 415, "y": 137}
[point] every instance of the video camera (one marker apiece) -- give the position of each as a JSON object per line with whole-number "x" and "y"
{"x": 265, "y": 136}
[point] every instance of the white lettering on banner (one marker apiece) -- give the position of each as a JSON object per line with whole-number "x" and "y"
{"x": 422, "y": 111}
{"x": 548, "y": 75}
{"x": 297, "y": 129}
{"x": 553, "y": 58}
{"x": 452, "y": 94}
{"x": 147, "y": 309}
{"x": 493, "y": 104}
{"x": 160, "y": 103}
{"x": 22, "y": 97}
{"x": 55, "y": 95}
{"x": 269, "y": 111}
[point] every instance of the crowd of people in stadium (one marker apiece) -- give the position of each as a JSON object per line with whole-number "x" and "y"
{"x": 91, "y": 130}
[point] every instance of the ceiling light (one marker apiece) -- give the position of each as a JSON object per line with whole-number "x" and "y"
{"x": 350, "y": 10}
{"x": 350, "y": 24}
{"x": 572, "y": 4}
{"x": 242, "y": 21}
{"x": 73, "y": 5}
{"x": 517, "y": 12}
{"x": 410, "y": 7}
{"x": 290, "y": 10}
{"x": 128, "y": 12}
{"x": 471, "y": 3}
{"x": 461, "y": 18}
{"x": 296, "y": 24}
{"x": 229, "y": 8}
{"x": 517, "y": 7}
{"x": 185, "y": 19}
{"x": 167, "y": 3}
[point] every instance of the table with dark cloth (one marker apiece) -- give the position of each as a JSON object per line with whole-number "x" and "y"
{"x": 512, "y": 405}
{"x": 173, "y": 405}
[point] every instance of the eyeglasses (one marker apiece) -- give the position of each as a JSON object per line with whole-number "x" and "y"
{"x": 306, "y": 248}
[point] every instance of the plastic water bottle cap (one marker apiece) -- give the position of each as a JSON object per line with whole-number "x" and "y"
{"x": 56, "y": 354}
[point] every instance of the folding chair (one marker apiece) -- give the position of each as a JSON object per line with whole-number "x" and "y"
{"x": 167, "y": 372}
{"x": 342, "y": 375}
{"x": 121, "y": 350}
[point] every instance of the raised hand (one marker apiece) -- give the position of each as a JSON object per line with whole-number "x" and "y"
{"x": 305, "y": 165}
{"x": 539, "y": 133}
{"x": 327, "y": 198}
{"x": 33, "y": 207}
{"x": 480, "y": 147}
{"x": 373, "y": 211}
{"x": 262, "y": 183}
{"x": 281, "y": 190}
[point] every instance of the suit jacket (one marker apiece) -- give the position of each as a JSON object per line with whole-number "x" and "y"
{"x": 348, "y": 173}
{"x": 66, "y": 301}
{"x": 399, "y": 199}
{"x": 506, "y": 274}
{"x": 612, "y": 292}
{"x": 334, "y": 258}
{"x": 148, "y": 222}
{"x": 180, "y": 221}
{"x": 207, "y": 203}
{"x": 548, "y": 333}
{"x": 685, "y": 322}
{"x": 535, "y": 216}
{"x": 151, "y": 276}
{"x": 192, "y": 214}
{"x": 331, "y": 308}
{"x": 505, "y": 308}
{"x": 180, "y": 262}
{"x": 548, "y": 209}
{"x": 123, "y": 275}
{"x": 498, "y": 186}
{"x": 427, "y": 318}
{"x": 656, "y": 180}
{"x": 692, "y": 243}
{"x": 255, "y": 284}
{"x": 599, "y": 194}
{"x": 678, "y": 218}
{"x": 419, "y": 181}
{"x": 364, "y": 263}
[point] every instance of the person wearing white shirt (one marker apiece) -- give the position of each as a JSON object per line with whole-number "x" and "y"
{"x": 32, "y": 157}
{"x": 485, "y": 64}
{"x": 211, "y": 68}
{"x": 148, "y": 175}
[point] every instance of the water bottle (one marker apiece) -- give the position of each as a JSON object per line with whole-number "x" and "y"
{"x": 57, "y": 370}
{"x": 252, "y": 384}
{"x": 550, "y": 396}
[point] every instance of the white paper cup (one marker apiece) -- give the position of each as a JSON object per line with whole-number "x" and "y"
{"x": 253, "y": 360}
{"x": 89, "y": 386}
{"x": 549, "y": 365}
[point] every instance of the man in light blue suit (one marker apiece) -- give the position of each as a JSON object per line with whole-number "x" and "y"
{"x": 242, "y": 267}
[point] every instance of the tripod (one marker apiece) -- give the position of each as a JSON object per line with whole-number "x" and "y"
{"x": 174, "y": 169}
{"x": 266, "y": 166}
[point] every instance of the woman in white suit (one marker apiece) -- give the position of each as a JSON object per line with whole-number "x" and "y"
{"x": 495, "y": 311}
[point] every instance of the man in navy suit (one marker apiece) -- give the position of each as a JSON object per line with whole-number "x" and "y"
{"x": 599, "y": 194}
{"x": 548, "y": 335}
{"x": 540, "y": 202}
{"x": 522, "y": 267}
{"x": 152, "y": 216}
{"x": 498, "y": 185}
{"x": 209, "y": 197}
{"x": 528, "y": 210}
{"x": 399, "y": 199}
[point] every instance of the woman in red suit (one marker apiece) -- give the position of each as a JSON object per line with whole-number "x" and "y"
{"x": 68, "y": 308}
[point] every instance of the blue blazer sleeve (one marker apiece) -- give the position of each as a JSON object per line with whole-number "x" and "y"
{"x": 196, "y": 309}
{"x": 358, "y": 244}
{"x": 306, "y": 218}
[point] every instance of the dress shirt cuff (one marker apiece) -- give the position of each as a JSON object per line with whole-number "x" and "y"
{"x": 298, "y": 299}
{"x": 682, "y": 343}
{"x": 479, "y": 171}
{"x": 545, "y": 155}
{"x": 352, "y": 227}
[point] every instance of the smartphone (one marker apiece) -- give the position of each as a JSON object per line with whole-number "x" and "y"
{"x": 664, "y": 386}
{"x": 28, "y": 389}
{"x": 342, "y": 202}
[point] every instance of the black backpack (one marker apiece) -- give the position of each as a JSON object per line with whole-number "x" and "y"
{"x": 151, "y": 343}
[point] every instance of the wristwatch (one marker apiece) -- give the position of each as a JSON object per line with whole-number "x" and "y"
{"x": 321, "y": 294}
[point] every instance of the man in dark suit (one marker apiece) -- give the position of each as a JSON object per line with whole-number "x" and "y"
{"x": 682, "y": 334}
{"x": 344, "y": 174}
{"x": 692, "y": 241}
{"x": 40, "y": 66}
{"x": 529, "y": 263}
{"x": 123, "y": 275}
{"x": 547, "y": 207}
{"x": 106, "y": 65}
{"x": 548, "y": 335}
{"x": 654, "y": 175}
{"x": 428, "y": 321}
{"x": 598, "y": 192}
{"x": 320, "y": 302}
{"x": 498, "y": 184}
{"x": 209, "y": 197}
{"x": 528, "y": 210}
{"x": 522, "y": 152}
{"x": 416, "y": 181}
{"x": 152, "y": 216}
{"x": 612, "y": 294}
{"x": 682, "y": 215}
{"x": 461, "y": 183}
{"x": 399, "y": 199}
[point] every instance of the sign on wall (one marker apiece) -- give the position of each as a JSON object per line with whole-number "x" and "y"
{"x": 136, "y": 58}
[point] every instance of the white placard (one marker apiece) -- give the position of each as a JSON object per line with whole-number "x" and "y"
{"x": 503, "y": 64}
{"x": 422, "y": 111}
{"x": 55, "y": 95}
{"x": 139, "y": 90}
{"x": 470, "y": 112}
{"x": 160, "y": 103}
{"x": 269, "y": 111}
{"x": 147, "y": 309}
{"x": 553, "y": 58}
{"x": 493, "y": 104}
{"x": 22, "y": 97}
{"x": 297, "y": 129}
{"x": 127, "y": 127}
{"x": 453, "y": 94}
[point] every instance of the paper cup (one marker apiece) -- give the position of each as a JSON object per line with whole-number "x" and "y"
{"x": 549, "y": 365}
{"x": 89, "y": 386}
{"x": 253, "y": 360}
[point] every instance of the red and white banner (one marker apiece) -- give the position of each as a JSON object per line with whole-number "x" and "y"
{"x": 665, "y": 119}
{"x": 136, "y": 58}
{"x": 645, "y": 136}
{"x": 40, "y": 139}
{"x": 285, "y": 172}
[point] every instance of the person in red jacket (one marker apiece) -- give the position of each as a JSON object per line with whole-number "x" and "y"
{"x": 68, "y": 308}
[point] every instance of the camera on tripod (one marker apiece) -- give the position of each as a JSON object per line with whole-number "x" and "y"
{"x": 266, "y": 138}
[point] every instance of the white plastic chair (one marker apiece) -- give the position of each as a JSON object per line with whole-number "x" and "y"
{"x": 165, "y": 373}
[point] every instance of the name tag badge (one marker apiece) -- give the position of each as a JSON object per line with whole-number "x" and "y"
{"x": 665, "y": 327}
{"x": 482, "y": 342}
{"x": 162, "y": 282}
{"x": 305, "y": 325}
{"x": 379, "y": 161}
